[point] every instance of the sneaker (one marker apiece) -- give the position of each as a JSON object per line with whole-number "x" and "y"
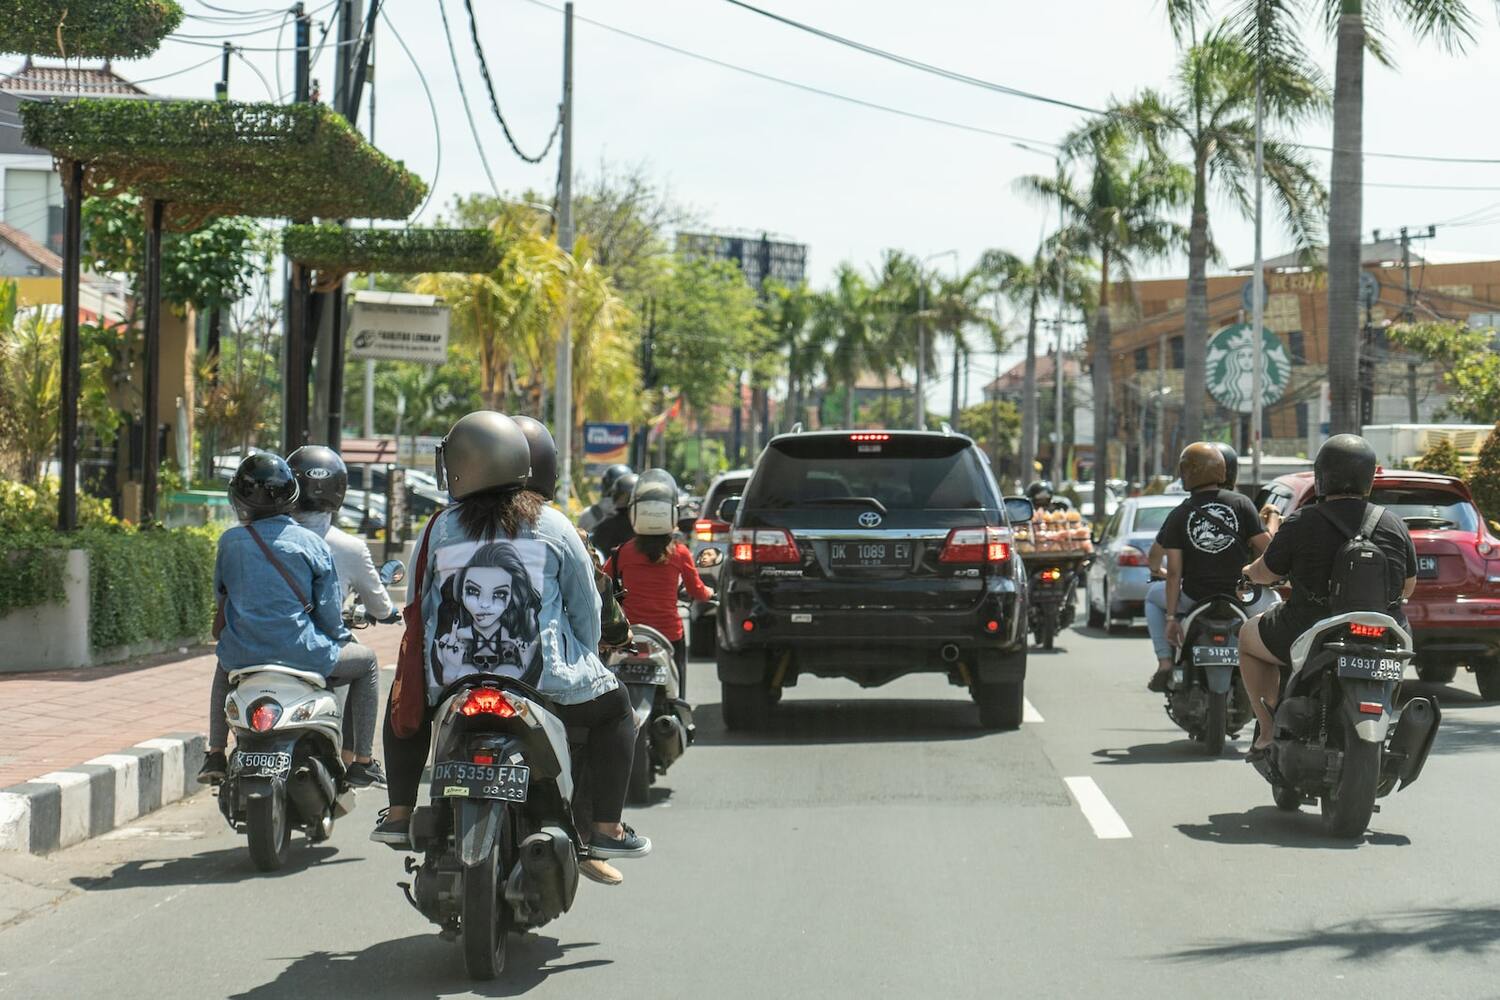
{"x": 365, "y": 775}
{"x": 215, "y": 766}
{"x": 632, "y": 845}
{"x": 392, "y": 832}
{"x": 600, "y": 871}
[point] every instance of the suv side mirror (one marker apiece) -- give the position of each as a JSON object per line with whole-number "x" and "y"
{"x": 728, "y": 507}
{"x": 392, "y": 572}
{"x": 1019, "y": 510}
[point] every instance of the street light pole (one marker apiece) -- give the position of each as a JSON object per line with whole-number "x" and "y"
{"x": 563, "y": 395}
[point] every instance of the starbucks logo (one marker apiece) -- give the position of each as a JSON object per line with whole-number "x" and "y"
{"x": 1231, "y": 367}
{"x": 1212, "y": 528}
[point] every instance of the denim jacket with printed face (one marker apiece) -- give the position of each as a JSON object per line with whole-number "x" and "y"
{"x": 525, "y": 606}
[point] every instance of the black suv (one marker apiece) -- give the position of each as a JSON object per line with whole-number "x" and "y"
{"x": 869, "y": 555}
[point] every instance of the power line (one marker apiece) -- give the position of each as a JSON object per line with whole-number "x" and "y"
{"x": 484, "y": 71}
{"x": 437, "y": 130}
{"x": 273, "y": 95}
{"x": 464, "y": 96}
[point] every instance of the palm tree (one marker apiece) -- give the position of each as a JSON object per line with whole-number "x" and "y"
{"x": 1212, "y": 114}
{"x": 956, "y": 306}
{"x": 1120, "y": 217}
{"x": 844, "y": 330}
{"x": 786, "y": 312}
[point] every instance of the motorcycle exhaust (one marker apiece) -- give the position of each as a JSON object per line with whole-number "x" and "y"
{"x": 549, "y": 871}
{"x": 1412, "y": 737}
{"x": 950, "y": 653}
{"x": 669, "y": 739}
{"x": 311, "y": 791}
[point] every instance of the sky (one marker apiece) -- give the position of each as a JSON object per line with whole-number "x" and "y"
{"x": 752, "y": 155}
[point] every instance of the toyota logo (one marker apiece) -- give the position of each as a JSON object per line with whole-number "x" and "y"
{"x": 869, "y": 519}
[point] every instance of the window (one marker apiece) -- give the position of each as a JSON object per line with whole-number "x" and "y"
{"x": 1434, "y": 510}
{"x": 1301, "y": 419}
{"x": 1150, "y": 518}
{"x": 903, "y": 473}
{"x": 1142, "y": 360}
{"x": 1296, "y": 346}
{"x": 1176, "y": 346}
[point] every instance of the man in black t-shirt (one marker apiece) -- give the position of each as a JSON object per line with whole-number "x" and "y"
{"x": 1303, "y": 551}
{"x": 1207, "y": 539}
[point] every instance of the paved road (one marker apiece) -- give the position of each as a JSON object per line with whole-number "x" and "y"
{"x": 874, "y": 844}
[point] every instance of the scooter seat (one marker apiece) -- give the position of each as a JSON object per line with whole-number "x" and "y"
{"x": 306, "y": 676}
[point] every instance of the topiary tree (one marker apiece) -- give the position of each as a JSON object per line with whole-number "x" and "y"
{"x": 1441, "y": 458}
{"x": 1484, "y": 478}
{"x": 72, "y": 29}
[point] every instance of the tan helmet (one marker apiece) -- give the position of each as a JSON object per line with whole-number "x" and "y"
{"x": 484, "y": 450}
{"x": 1201, "y": 464}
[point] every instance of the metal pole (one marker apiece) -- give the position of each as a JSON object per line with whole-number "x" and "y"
{"x": 67, "y": 498}
{"x": 151, "y": 453}
{"x": 1058, "y": 366}
{"x": 294, "y": 350}
{"x": 370, "y": 362}
{"x": 1407, "y": 314}
{"x": 563, "y": 395}
{"x": 221, "y": 88}
{"x": 921, "y": 350}
{"x": 1161, "y": 387}
{"x": 1258, "y": 293}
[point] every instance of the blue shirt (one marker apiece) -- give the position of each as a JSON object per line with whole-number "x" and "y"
{"x": 263, "y": 620}
{"x": 525, "y": 606}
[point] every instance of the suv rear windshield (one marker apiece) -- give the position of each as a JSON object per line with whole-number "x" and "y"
{"x": 1424, "y": 508}
{"x": 906, "y": 472}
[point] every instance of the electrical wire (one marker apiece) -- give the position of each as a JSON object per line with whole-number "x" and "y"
{"x": 464, "y": 96}
{"x": 255, "y": 48}
{"x": 437, "y": 130}
{"x": 275, "y": 98}
{"x": 178, "y": 72}
{"x": 489, "y": 86}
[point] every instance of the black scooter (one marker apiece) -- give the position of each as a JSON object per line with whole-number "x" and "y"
{"x": 1205, "y": 695}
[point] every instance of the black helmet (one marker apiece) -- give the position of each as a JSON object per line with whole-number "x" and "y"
{"x": 611, "y": 476}
{"x": 483, "y": 451}
{"x": 1231, "y": 464}
{"x": 624, "y": 488}
{"x": 1345, "y": 465}
{"x": 1037, "y": 488}
{"x": 263, "y": 486}
{"x": 321, "y": 475}
{"x": 543, "y": 478}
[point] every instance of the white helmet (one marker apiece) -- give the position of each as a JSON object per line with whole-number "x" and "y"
{"x": 653, "y": 505}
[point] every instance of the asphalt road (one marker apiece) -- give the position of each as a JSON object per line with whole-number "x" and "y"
{"x": 874, "y": 844}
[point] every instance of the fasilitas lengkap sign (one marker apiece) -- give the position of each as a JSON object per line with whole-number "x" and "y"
{"x": 398, "y": 326}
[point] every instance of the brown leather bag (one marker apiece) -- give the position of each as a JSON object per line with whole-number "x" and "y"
{"x": 409, "y": 689}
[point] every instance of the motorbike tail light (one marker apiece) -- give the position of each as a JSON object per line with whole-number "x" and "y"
{"x": 987, "y": 544}
{"x": 992, "y": 626}
{"x": 747, "y": 625}
{"x": 263, "y": 717}
{"x": 705, "y": 529}
{"x": 1051, "y": 574}
{"x": 1221, "y": 638}
{"x": 765, "y": 545}
{"x": 484, "y": 758}
{"x": 1366, "y": 631}
{"x": 1129, "y": 555}
{"x": 487, "y": 701}
{"x": 1371, "y": 707}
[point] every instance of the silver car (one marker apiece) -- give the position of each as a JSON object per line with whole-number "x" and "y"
{"x": 710, "y": 547}
{"x": 1117, "y": 580}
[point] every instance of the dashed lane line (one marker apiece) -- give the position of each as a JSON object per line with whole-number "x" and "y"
{"x": 1101, "y": 815}
{"x": 1029, "y": 712}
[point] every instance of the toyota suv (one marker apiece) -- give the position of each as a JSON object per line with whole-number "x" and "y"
{"x": 1455, "y": 610}
{"x": 870, "y": 555}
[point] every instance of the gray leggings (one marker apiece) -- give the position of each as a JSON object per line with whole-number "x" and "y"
{"x": 357, "y": 666}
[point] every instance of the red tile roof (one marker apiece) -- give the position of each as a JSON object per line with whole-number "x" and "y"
{"x": 68, "y": 81}
{"x": 1013, "y": 379}
{"x": 31, "y": 248}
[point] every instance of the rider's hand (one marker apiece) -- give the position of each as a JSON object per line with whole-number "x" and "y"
{"x": 1174, "y": 632}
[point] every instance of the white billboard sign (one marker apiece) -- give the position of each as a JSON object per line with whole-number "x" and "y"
{"x": 398, "y": 326}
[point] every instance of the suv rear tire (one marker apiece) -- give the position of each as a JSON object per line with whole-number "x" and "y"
{"x": 1487, "y": 676}
{"x": 1000, "y": 705}
{"x": 745, "y": 706}
{"x": 1437, "y": 673}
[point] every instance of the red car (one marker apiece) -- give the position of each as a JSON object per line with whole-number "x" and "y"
{"x": 1455, "y": 611}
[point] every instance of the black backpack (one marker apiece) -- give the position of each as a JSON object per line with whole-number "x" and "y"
{"x": 1357, "y": 580}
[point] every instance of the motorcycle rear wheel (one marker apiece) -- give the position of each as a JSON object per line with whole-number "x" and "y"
{"x": 1046, "y": 627}
{"x": 486, "y": 937}
{"x": 1347, "y": 807}
{"x": 1217, "y": 723}
{"x": 1286, "y": 799}
{"x": 268, "y": 832}
{"x": 638, "y": 791}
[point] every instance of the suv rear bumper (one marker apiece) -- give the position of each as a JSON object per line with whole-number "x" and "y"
{"x": 1453, "y": 643}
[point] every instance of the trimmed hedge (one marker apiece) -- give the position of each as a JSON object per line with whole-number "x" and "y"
{"x": 109, "y": 29}
{"x": 392, "y": 251}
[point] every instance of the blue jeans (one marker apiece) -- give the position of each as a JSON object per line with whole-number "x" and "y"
{"x": 1156, "y": 613}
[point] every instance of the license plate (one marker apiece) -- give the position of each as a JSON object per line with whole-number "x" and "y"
{"x": 1427, "y": 566}
{"x": 641, "y": 672}
{"x": 461, "y": 779}
{"x": 870, "y": 554}
{"x": 1371, "y": 668}
{"x": 1216, "y": 656}
{"x": 259, "y": 764}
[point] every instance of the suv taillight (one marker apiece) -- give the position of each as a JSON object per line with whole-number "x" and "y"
{"x": 706, "y": 529}
{"x": 764, "y": 545}
{"x": 976, "y": 545}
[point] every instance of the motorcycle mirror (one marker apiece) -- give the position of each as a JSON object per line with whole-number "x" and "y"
{"x": 392, "y": 572}
{"x": 1019, "y": 510}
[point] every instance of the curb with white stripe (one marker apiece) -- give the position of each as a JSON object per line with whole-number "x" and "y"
{"x": 68, "y": 806}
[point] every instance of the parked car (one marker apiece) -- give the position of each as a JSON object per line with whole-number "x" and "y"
{"x": 709, "y": 541}
{"x": 1085, "y": 492}
{"x": 1455, "y": 610}
{"x": 1115, "y": 590}
{"x": 870, "y": 555}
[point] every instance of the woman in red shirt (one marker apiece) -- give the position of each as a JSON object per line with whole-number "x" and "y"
{"x": 653, "y": 566}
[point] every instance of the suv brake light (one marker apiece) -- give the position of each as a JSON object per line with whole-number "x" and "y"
{"x": 764, "y": 545}
{"x": 1366, "y": 631}
{"x": 705, "y": 528}
{"x": 976, "y": 545}
{"x": 1129, "y": 555}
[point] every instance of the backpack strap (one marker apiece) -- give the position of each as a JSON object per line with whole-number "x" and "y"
{"x": 1373, "y": 513}
{"x": 307, "y": 606}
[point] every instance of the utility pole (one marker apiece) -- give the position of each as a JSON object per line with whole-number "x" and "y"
{"x": 1161, "y": 392}
{"x": 1058, "y": 366}
{"x": 1258, "y": 292}
{"x": 331, "y": 336}
{"x": 563, "y": 395}
{"x": 294, "y": 345}
{"x": 921, "y": 350}
{"x": 221, "y": 88}
{"x": 369, "y": 73}
{"x": 1409, "y": 311}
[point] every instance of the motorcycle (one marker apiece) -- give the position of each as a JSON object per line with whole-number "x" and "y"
{"x": 1338, "y": 737}
{"x": 1053, "y": 583}
{"x": 663, "y": 720}
{"x": 500, "y": 841}
{"x": 355, "y": 615}
{"x": 1205, "y": 695}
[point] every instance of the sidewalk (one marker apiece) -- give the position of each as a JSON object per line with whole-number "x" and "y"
{"x": 127, "y": 733}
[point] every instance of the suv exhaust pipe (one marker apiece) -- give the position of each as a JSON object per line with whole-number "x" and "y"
{"x": 950, "y": 653}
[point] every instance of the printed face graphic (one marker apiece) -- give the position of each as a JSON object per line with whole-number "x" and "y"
{"x": 486, "y": 595}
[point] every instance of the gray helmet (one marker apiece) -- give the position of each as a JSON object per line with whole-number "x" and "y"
{"x": 485, "y": 450}
{"x": 613, "y": 475}
{"x": 1345, "y": 465}
{"x": 543, "y": 478}
{"x": 1231, "y": 464}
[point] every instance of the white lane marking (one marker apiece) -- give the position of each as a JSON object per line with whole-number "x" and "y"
{"x": 1101, "y": 815}
{"x": 1029, "y": 712}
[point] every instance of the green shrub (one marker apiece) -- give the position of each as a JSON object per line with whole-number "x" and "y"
{"x": 1441, "y": 458}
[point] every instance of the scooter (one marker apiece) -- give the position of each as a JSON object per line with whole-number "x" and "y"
{"x": 1339, "y": 739}
{"x": 663, "y": 720}
{"x": 1205, "y": 695}
{"x": 500, "y": 841}
{"x": 1052, "y": 593}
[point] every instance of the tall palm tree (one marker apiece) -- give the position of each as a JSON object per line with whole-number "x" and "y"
{"x": 1211, "y": 113}
{"x": 1121, "y": 215}
{"x": 786, "y": 312}
{"x": 956, "y": 306}
{"x": 844, "y": 328}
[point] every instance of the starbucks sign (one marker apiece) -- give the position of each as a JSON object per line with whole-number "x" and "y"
{"x": 1231, "y": 367}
